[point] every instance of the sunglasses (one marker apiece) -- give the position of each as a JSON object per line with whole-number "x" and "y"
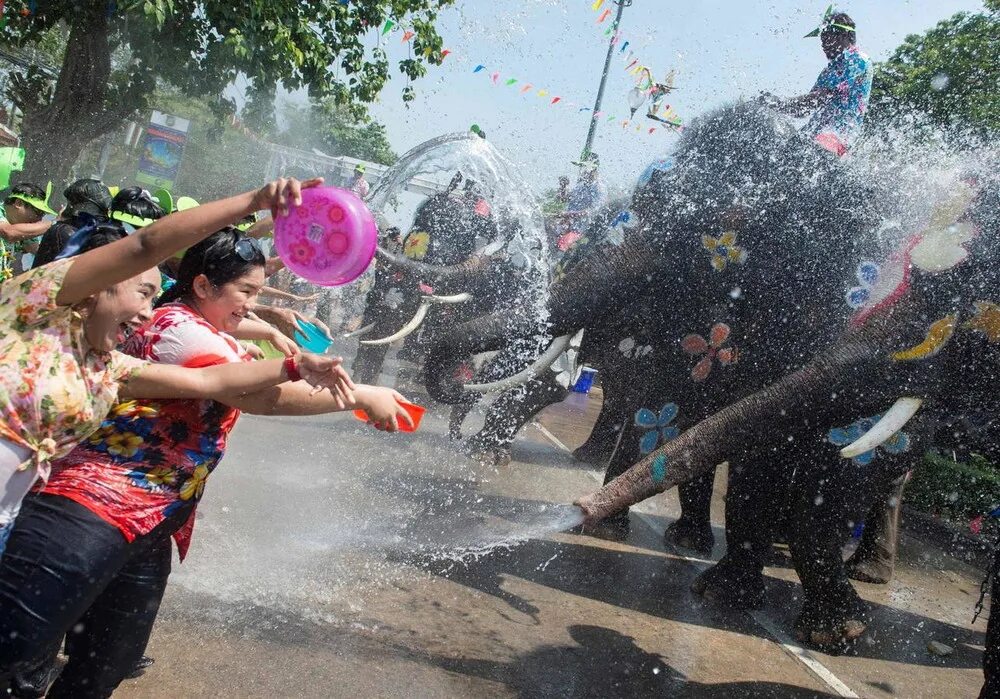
{"x": 247, "y": 248}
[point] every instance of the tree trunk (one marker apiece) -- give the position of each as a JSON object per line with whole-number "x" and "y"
{"x": 54, "y": 133}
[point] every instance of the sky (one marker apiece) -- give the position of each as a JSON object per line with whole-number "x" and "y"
{"x": 722, "y": 50}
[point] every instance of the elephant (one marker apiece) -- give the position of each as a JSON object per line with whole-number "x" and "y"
{"x": 924, "y": 342}
{"x": 743, "y": 247}
{"x": 515, "y": 407}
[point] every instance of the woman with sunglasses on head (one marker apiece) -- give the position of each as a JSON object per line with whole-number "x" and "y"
{"x": 90, "y": 553}
{"x": 59, "y": 325}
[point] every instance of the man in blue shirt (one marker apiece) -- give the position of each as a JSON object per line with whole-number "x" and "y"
{"x": 837, "y": 103}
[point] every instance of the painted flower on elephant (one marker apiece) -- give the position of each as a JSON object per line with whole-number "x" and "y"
{"x": 842, "y": 436}
{"x": 712, "y": 349}
{"x": 659, "y": 468}
{"x": 867, "y": 274}
{"x": 416, "y": 245}
{"x": 633, "y": 350}
{"x": 724, "y": 250}
{"x": 658, "y": 426}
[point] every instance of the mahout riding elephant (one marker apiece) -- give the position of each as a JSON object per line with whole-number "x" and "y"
{"x": 916, "y": 367}
{"x": 732, "y": 273}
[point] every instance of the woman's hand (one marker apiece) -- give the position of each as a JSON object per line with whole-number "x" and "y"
{"x": 282, "y": 343}
{"x": 327, "y": 372}
{"x": 277, "y": 195}
{"x": 383, "y": 407}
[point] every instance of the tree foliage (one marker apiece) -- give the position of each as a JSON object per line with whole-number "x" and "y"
{"x": 336, "y": 130}
{"x": 332, "y": 49}
{"x": 946, "y": 78}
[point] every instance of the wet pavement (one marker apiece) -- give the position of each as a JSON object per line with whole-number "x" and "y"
{"x": 333, "y": 561}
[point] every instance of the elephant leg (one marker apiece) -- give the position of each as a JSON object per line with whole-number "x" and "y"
{"x": 875, "y": 558}
{"x": 604, "y": 435}
{"x": 367, "y": 365}
{"x": 510, "y": 412}
{"x": 755, "y": 492}
{"x": 828, "y": 501}
{"x": 991, "y": 656}
{"x": 694, "y": 528}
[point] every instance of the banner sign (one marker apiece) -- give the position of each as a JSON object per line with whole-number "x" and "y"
{"x": 161, "y": 150}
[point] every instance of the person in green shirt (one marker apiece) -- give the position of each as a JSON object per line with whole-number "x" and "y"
{"x": 21, "y": 222}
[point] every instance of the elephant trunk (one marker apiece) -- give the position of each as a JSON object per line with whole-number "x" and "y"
{"x": 483, "y": 334}
{"x": 719, "y": 436}
{"x": 461, "y": 273}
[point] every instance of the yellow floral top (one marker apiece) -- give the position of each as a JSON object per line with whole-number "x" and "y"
{"x": 54, "y": 391}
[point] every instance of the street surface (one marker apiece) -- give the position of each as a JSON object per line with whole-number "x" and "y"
{"x": 333, "y": 561}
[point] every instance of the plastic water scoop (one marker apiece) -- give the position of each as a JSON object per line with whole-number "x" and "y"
{"x": 329, "y": 239}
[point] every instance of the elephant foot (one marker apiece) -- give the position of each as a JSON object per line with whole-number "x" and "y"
{"x": 730, "y": 584}
{"x": 876, "y": 568}
{"x": 831, "y": 632}
{"x": 685, "y": 534}
{"x": 489, "y": 455}
{"x": 613, "y": 528}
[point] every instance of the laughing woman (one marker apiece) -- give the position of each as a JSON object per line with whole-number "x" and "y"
{"x": 60, "y": 323}
{"x": 91, "y": 553}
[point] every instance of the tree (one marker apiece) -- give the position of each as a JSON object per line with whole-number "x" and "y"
{"x": 117, "y": 52}
{"x": 945, "y": 78}
{"x": 336, "y": 129}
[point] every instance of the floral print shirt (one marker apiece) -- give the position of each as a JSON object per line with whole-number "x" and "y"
{"x": 849, "y": 77}
{"x": 149, "y": 458}
{"x": 54, "y": 390}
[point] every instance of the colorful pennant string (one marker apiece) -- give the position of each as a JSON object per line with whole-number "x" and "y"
{"x": 597, "y": 5}
{"x": 604, "y": 16}
{"x": 407, "y": 35}
{"x": 387, "y": 27}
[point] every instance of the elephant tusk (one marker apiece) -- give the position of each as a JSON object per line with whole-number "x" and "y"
{"x": 892, "y": 422}
{"x": 414, "y": 323}
{"x": 556, "y": 347}
{"x": 457, "y": 298}
{"x": 361, "y": 331}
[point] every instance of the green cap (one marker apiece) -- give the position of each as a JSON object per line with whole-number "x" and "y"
{"x": 185, "y": 203}
{"x": 165, "y": 199}
{"x": 825, "y": 22}
{"x": 40, "y": 204}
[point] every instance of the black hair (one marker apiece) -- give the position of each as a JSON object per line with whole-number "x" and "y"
{"x": 844, "y": 19}
{"x": 136, "y": 201}
{"x": 106, "y": 232}
{"x": 87, "y": 196}
{"x": 217, "y": 259}
{"x": 27, "y": 189}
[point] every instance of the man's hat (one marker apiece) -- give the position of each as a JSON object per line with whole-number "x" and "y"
{"x": 40, "y": 204}
{"x": 360, "y": 167}
{"x": 827, "y": 22}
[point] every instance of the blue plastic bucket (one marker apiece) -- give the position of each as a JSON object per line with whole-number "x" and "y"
{"x": 586, "y": 380}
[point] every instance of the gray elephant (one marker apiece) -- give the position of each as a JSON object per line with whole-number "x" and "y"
{"x": 925, "y": 337}
{"x": 752, "y": 219}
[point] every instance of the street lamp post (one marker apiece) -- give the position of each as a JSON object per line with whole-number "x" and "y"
{"x": 622, "y": 4}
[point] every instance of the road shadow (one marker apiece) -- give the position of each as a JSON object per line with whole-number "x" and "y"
{"x": 650, "y": 583}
